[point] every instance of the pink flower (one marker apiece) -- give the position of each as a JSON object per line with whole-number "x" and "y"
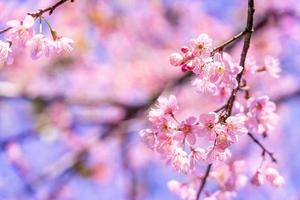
{"x": 223, "y": 141}
{"x": 188, "y": 66}
{"x": 261, "y": 116}
{"x": 221, "y": 195}
{"x": 164, "y": 130}
{"x": 251, "y": 67}
{"x": 207, "y": 124}
{"x": 235, "y": 126}
{"x": 230, "y": 176}
{"x": 232, "y": 71}
{"x": 149, "y": 137}
{"x": 165, "y": 146}
{"x": 169, "y": 106}
{"x": 39, "y": 45}
{"x": 273, "y": 176}
{"x": 20, "y": 31}
{"x": 202, "y": 45}
{"x": 196, "y": 157}
{"x": 63, "y": 45}
{"x": 223, "y": 94}
{"x": 5, "y": 53}
{"x": 217, "y": 155}
{"x": 257, "y": 179}
{"x": 195, "y": 56}
{"x": 165, "y": 109}
{"x": 205, "y": 86}
{"x": 272, "y": 66}
{"x": 260, "y": 105}
{"x": 219, "y": 69}
{"x": 188, "y": 130}
{"x": 180, "y": 161}
{"x": 176, "y": 59}
{"x": 185, "y": 191}
{"x": 156, "y": 116}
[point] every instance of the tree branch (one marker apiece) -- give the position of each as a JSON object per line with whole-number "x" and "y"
{"x": 49, "y": 9}
{"x": 4, "y": 30}
{"x": 203, "y": 182}
{"x": 226, "y": 43}
{"x": 264, "y": 149}
{"x": 248, "y": 33}
{"x": 228, "y": 106}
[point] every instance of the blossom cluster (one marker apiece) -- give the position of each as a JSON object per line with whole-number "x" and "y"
{"x": 229, "y": 178}
{"x": 261, "y": 115}
{"x": 189, "y": 143}
{"x": 21, "y": 34}
{"x": 214, "y": 71}
{"x": 268, "y": 174}
{"x": 177, "y": 141}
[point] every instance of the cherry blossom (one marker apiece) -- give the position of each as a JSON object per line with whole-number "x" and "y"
{"x": 180, "y": 160}
{"x": 258, "y": 178}
{"x": 202, "y": 45}
{"x": 165, "y": 109}
{"x": 92, "y": 102}
{"x": 176, "y": 59}
{"x": 261, "y": 116}
{"x": 235, "y": 126}
{"x": 207, "y": 124}
{"x": 188, "y": 130}
{"x": 21, "y": 31}
{"x": 40, "y": 45}
{"x": 196, "y": 157}
{"x": 272, "y": 66}
{"x": 185, "y": 191}
{"x": 5, "y": 53}
{"x": 218, "y": 154}
{"x": 221, "y": 195}
{"x": 63, "y": 45}
{"x": 205, "y": 86}
{"x": 273, "y": 176}
{"x": 149, "y": 137}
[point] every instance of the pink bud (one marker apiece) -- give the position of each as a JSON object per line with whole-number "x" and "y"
{"x": 176, "y": 59}
{"x": 148, "y": 137}
{"x": 184, "y": 49}
{"x": 278, "y": 181}
{"x": 257, "y": 179}
{"x": 273, "y": 176}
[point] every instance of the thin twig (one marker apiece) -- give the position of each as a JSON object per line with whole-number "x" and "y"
{"x": 203, "y": 182}
{"x": 264, "y": 149}
{"x": 248, "y": 33}
{"x": 229, "y": 105}
{"x": 49, "y": 9}
{"x": 4, "y": 30}
{"x": 226, "y": 43}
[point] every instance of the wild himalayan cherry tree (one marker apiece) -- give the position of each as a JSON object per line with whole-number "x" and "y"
{"x": 199, "y": 147}
{"x": 190, "y": 143}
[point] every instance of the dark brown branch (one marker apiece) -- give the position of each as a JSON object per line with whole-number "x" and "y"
{"x": 248, "y": 33}
{"x": 264, "y": 149}
{"x": 226, "y": 43}
{"x": 4, "y": 30}
{"x": 203, "y": 182}
{"x": 287, "y": 97}
{"x": 49, "y": 9}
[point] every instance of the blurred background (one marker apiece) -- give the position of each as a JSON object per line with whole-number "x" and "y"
{"x": 69, "y": 124}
